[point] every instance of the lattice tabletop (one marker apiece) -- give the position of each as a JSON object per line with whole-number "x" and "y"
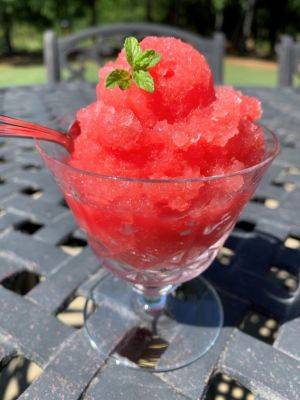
{"x": 256, "y": 274}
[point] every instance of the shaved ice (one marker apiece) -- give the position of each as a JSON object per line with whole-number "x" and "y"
{"x": 186, "y": 128}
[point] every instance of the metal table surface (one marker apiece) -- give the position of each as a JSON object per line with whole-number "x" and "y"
{"x": 35, "y": 225}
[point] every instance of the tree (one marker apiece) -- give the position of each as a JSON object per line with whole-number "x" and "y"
{"x": 277, "y": 20}
{"x": 149, "y": 5}
{"x": 13, "y": 11}
{"x": 248, "y": 19}
{"x": 263, "y": 20}
{"x": 219, "y": 6}
{"x": 173, "y": 12}
{"x": 92, "y": 4}
{"x": 8, "y": 9}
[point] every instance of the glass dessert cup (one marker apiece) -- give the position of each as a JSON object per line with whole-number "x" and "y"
{"x": 157, "y": 234}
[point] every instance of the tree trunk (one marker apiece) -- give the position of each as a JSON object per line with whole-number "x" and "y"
{"x": 173, "y": 12}
{"x": 278, "y": 19}
{"x": 149, "y": 4}
{"x": 247, "y": 25}
{"x": 219, "y": 20}
{"x": 7, "y": 35}
{"x": 94, "y": 15}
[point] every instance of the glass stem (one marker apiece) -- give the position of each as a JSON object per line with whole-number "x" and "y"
{"x": 151, "y": 300}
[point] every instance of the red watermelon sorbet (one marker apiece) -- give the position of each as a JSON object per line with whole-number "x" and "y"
{"x": 169, "y": 214}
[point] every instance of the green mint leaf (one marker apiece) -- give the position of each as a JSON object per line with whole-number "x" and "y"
{"x": 147, "y": 59}
{"x": 154, "y": 59}
{"x": 132, "y": 49}
{"x": 125, "y": 84}
{"x": 144, "y": 80}
{"x": 118, "y": 77}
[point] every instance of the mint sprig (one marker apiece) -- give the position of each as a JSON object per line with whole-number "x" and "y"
{"x": 118, "y": 77}
{"x": 132, "y": 50}
{"x": 144, "y": 80}
{"x": 139, "y": 61}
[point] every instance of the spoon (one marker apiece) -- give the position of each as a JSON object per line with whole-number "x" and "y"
{"x": 14, "y": 127}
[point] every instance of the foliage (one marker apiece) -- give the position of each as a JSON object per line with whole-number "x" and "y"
{"x": 241, "y": 20}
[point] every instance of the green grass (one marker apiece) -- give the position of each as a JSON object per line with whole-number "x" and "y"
{"x": 11, "y": 75}
{"x": 235, "y": 74}
{"x": 242, "y": 75}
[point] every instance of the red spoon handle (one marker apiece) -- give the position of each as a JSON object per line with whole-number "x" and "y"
{"x": 18, "y": 128}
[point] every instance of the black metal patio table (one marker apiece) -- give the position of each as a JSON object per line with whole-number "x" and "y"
{"x": 256, "y": 275}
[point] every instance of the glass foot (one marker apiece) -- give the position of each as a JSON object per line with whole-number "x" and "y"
{"x": 172, "y": 330}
